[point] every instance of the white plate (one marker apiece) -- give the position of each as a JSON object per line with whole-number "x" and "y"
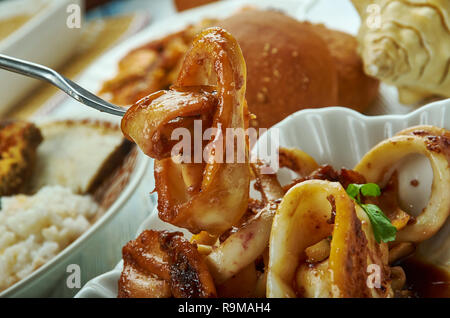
{"x": 340, "y": 137}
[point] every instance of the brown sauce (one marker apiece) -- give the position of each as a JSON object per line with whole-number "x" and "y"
{"x": 425, "y": 280}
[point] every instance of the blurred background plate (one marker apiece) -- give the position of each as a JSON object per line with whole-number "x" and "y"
{"x": 38, "y": 32}
{"x": 339, "y": 15}
{"x": 106, "y": 66}
{"x": 95, "y": 251}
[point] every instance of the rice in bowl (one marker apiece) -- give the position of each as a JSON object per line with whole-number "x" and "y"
{"x": 34, "y": 229}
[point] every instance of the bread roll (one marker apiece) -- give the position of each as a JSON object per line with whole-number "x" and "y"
{"x": 289, "y": 66}
{"x": 356, "y": 89}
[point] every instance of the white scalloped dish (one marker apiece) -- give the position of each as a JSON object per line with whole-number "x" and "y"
{"x": 340, "y": 137}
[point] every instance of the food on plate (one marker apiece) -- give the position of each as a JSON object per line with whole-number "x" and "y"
{"x": 18, "y": 143}
{"x": 163, "y": 264}
{"x": 326, "y": 233}
{"x": 321, "y": 245}
{"x": 406, "y": 44}
{"x": 432, "y": 142}
{"x": 77, "y": 154}
{"x": 151, "y": 67}
{"x": 291, "y": 65}
{"x": 34, "y": 229}
{"x": 57, "y": 179}
{"x": 195, "y": 194}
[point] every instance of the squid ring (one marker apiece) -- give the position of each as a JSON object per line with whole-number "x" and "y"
{"x": 242, "y": 247}
{"x": 251, "y": 239}
{"x": 302, "y": 220}
{"x": 432, "y": 142}
{"x": 211, "y": 195}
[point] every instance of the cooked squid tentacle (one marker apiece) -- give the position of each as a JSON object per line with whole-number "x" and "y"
{"x": 297, "y": 160}
{"x": 310, "y": 212}
{"x": 432, "y": 142}
{"x": 209, "y": 195}
{"x": 399, "y": 251}
{"x": 161, "y": 265}
{"x": 151, "y": 121}
{"x": 252, "y": 238}
{"x": 267, "y": 184}
{"x": 243, "y": 247}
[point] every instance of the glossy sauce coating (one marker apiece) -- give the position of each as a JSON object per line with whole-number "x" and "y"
{"x": 425, "y": 280}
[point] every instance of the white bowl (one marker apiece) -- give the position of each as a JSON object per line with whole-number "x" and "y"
{"x": 45, "y": 39}
{"x": 340, "y": 137}
{"x": 95, "y": 250}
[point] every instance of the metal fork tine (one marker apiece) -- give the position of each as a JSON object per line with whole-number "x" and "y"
{"x": 94, "y": 101}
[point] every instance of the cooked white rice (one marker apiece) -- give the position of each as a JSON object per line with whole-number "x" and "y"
{"x": 33, "y": 229}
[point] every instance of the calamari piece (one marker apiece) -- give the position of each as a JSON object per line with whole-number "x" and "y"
{"x": 241, "y": 285}
{"x": 151, "y": 121}
{"x": 267, "y": 184}
{"x": 432, "y": 142}
{"x": 161, "y": 265}
{"x": 242, "y": 247}
{"x": 297, "y": 160}
{"x": 245, "y": 245}
{"x": 210, "y": 195}
{"x": 310, "y": 212}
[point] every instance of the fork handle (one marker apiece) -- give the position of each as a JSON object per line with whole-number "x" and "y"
{"x": 33, "y": 70}
{"x": 41, "y": 72}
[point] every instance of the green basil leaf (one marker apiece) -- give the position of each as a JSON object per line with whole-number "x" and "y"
{"x": 370, "y": 190}
{"x": 382, "y": 227}
{"x": 353, "y": 190}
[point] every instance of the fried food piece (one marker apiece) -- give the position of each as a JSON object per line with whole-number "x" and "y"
{"x": 297, "y": 160}
{"x": 159, "y": 264}
{"x": 161, "y": 113}
{"x": 18, "y": 143}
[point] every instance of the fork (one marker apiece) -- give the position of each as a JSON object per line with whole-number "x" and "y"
{"x": 51, "y": 76}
